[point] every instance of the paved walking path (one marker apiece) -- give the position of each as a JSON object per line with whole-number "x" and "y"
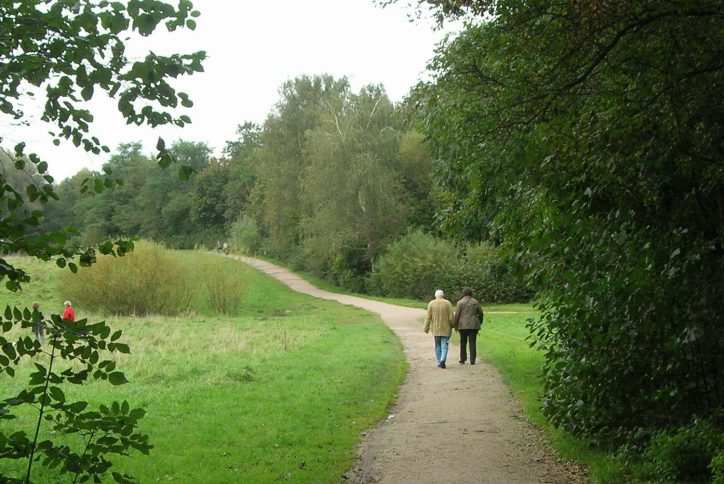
{"x": 457, "y": 425}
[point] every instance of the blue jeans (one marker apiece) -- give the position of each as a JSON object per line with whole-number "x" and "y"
{"x": 441, "y": 348}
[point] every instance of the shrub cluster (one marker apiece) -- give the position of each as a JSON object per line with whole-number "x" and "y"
{"x": 244, "y": 236}
{"x": 692, "y": 453}
{"x": 149, "y": 280}
{"x": 155, "y": 280}
{"x": 418, "y": 263}
{"x": 412, "y": 266}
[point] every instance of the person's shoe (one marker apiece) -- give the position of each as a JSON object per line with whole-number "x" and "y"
{"x": 442, "y": 364}
{"x": 472, "y": 362}
{"x": 438, "y": 365}
{"x": 461, "y": 362}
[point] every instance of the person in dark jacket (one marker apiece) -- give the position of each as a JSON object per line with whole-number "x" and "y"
{"x": 468, "y": 320}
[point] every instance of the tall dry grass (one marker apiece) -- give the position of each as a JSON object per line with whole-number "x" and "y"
{"x": 225, "y": 284}
{"x": 149, "y": 280}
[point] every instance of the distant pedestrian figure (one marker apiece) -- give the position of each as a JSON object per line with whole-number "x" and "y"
{"x": 69, "y": 314}
{"x": 439, "y": 320}
{"x": 218, "y": 246}
{"x": 38, "y": 330}
{"x": 468, "y": 319}
{"x": 226, "y": 248}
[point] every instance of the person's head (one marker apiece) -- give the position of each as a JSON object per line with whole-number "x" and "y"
{"x": 36, "y": 306}
{"x": 439, "y": 294}
{"x": 66, "y": 304}
{"x": 467, "y": 292}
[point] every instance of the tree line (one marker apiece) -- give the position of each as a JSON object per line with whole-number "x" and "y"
{"x": 329, "y": 181}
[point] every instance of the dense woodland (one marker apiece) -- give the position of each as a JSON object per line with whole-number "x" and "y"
{"x": 567, "y": 150}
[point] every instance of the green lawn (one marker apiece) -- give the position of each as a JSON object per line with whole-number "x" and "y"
{"x": 281, "y": 392}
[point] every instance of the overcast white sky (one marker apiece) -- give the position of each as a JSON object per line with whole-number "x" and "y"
{"x": 253, "y": 46}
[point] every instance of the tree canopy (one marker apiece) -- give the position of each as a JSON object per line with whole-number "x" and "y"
{"x": 73, "y": 51}
{"x": 587, "y": 135}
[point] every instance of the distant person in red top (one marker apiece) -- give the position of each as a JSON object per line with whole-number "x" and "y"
{"x": 69, "y": 314}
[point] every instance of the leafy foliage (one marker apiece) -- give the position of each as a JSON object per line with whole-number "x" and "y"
{"x": 75, "y": 50}
{"x": 97, "y": 433}
{"x": 684, "y": 454}
{"x": 716, "y": 467}
{"x": 413, "y": 266}
{"x": 245, "y": 236}
{"x": 586, "y": 135}
{"x": 351, "y": 189}
{"x": 417, "y": 264}
{"x": 340, "y": 174}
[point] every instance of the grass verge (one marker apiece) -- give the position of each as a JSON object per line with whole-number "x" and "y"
{"x": 502, "y": 343}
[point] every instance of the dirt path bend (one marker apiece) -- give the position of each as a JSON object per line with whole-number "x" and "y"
{"x": 457, "y": 425}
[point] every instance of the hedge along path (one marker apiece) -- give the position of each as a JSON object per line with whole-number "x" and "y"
{"x": 457, "y": 425}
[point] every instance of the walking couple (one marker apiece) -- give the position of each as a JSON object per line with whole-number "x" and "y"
{"x": 466, "y": 319}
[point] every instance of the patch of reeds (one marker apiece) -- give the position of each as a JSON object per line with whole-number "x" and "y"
{"x": 149, "y": 280}
{"x": 225, "y": 283}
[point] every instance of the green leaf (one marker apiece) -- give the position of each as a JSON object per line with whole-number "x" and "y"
{"x": 57, "y": 394}
{"x": 77, "y": 407}
{"x": 87, "y": 92}
{"x": 123, "y": 348}
{"x": 137, "y": 413}
{"x": 9, "y": 349}
{"x": 117, "y": 378}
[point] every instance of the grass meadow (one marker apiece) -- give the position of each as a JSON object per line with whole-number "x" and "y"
{"x": 278, "y": 391}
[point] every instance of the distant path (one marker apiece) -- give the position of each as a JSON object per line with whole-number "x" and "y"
{"x": 458, "y": 425}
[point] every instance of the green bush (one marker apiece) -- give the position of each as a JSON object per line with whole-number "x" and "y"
{"x": 684, "y": 454}
{"x": 149, "y": 280}
{"x": 204, "y": 239}
{"x": 413, "y": 266}
{"x": 418, "y": 263}
{"x": 716, "y": 467}
{"x": 492, "y": 273}
{"x": 245, "y": 236}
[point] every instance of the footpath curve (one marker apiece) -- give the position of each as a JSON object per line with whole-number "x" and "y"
{"x": 457, "y": 425}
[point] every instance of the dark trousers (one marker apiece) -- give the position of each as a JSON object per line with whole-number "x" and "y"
{"x": 468, "y": 335}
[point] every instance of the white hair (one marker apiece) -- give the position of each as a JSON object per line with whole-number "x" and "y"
{"x": 439, "y": 293}
{"x": 66, "y": 303}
